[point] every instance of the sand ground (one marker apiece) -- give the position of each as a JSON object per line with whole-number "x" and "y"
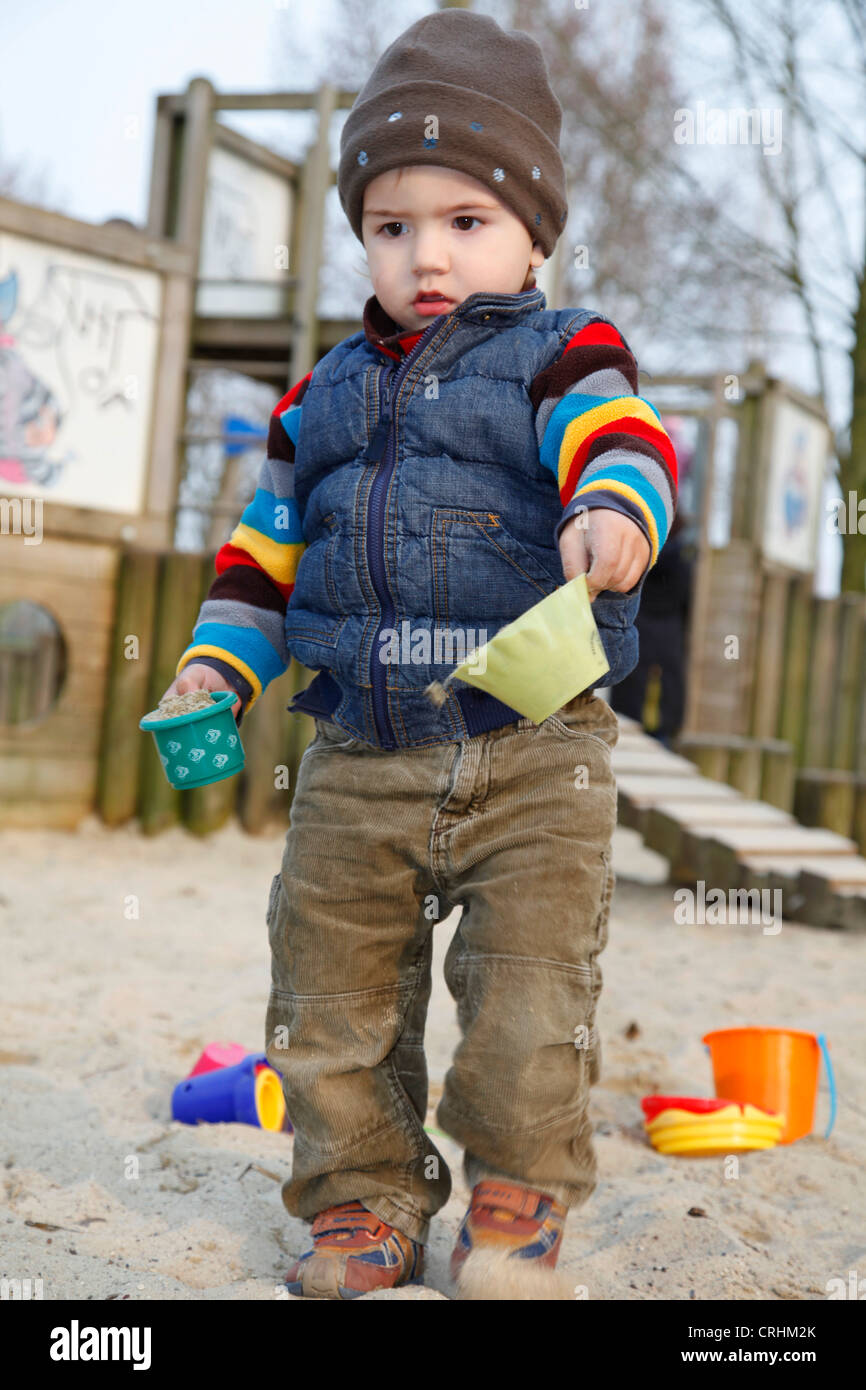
{"x": 102, "y": 1012}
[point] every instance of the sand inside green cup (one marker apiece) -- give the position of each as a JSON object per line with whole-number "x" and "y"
{"x": 171, "y": 706}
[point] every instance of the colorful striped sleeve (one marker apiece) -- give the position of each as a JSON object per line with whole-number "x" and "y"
{"x": 603, "y": 442}
{"x": 240, "y": 629}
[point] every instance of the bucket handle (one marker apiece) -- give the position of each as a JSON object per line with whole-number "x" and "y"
{"x": 831, "y": 1082}
{"x": 831, "y": 1079}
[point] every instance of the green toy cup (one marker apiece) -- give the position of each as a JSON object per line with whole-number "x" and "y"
{"x": 201, "y": 747}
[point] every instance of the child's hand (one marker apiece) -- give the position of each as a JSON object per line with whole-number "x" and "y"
{"x": 608, "y": 547}
{"x": 198, "y": 677}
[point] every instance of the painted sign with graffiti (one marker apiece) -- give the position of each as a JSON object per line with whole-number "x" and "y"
{"x": 79, "y": 337}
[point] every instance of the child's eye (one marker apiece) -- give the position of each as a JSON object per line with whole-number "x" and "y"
{"x": 465, "y": 217}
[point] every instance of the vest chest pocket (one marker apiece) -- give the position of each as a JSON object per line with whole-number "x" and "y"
{"x": 480, "y": 568}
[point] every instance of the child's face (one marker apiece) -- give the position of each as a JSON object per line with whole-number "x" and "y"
{"x": 430, "y": 228}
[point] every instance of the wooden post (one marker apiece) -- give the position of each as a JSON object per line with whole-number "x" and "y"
{"x": 777, "y": 773}
{"x": 196, "y": 138}
{"x": 742, "y": 500}
{"x": 182, "y": 208}
{"x": 795, "y": 681}
{"x": 695, "y": 640}
{"x": 769, "y": 653}
{"x": 315, "y": 181}
{"x": 826, "y": 798}
{"x": 858, "y": 825}
{"x": 744, "y": 768}
{"x": 127, "y": 687}
{"x": 848, "y": 688}
{"x": 860, "y": 751}
{"x": 709, "y": 752}
{"x": 160, "y": 171}
{"x": 823, "y": 659}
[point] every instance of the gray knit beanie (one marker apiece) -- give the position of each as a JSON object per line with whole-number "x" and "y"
{"x": 496, "y": 118}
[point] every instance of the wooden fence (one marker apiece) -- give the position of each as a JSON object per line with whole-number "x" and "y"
{"x": 782, "y": 719}
{"x": 794, "y": 697}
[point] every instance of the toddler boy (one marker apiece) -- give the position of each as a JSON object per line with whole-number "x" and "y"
{"x": 422, "y": 481}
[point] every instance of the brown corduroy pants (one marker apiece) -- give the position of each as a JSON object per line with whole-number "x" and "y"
{"x": 515, "y": 825}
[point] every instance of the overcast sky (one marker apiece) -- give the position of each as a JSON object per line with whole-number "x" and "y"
{"x": 74, "y": 73}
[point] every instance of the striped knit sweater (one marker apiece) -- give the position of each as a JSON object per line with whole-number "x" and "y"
{"x": 603, "y": 443}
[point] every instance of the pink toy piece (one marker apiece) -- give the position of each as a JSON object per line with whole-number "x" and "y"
{"x": 219, "y": 1054}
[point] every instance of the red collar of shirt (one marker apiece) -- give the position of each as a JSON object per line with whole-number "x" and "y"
{"x": 385, "y": 334}
{"x": 388, "y": 336}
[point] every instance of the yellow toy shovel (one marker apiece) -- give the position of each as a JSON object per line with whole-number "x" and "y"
{"x": 542, "y": 660}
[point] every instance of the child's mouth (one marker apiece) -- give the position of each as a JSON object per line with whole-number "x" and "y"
{"x": 436, "y": 304}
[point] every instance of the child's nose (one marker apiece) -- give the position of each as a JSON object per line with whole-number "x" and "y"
{"x": 430, "y": 257}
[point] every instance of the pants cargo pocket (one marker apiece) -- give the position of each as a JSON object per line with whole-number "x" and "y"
{"x": 602, "y": 924}
{"x": 273, "y": 898}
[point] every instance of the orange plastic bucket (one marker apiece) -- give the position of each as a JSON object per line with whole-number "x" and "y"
{"x": 776, "y": 1068}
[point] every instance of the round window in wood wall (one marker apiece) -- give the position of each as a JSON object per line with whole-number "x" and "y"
{"x": 32, "y": 662}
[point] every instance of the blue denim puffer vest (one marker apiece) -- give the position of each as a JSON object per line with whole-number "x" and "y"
{"x": 425, "y": 508}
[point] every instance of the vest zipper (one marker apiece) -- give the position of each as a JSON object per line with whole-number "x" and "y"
{"x": 382, "y": 447}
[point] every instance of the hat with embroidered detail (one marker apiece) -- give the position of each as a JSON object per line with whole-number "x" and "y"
{"x": 457, "y": 90}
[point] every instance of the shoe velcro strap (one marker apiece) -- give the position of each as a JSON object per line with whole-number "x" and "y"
{"x": 520, "y": 1200}
{"x": 329, "y": 1221}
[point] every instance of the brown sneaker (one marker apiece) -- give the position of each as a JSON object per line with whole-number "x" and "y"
{"x": 353, "y": 1253}
{"x": 526, "y": 1224}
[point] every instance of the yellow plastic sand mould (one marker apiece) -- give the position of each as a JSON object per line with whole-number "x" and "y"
{"x": 542, "y": 660}
{"x": 727, "y": 1130}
